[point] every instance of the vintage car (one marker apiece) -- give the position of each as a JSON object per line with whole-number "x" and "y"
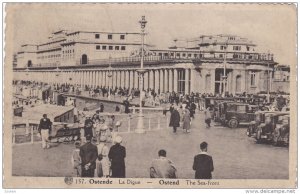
{"x": 265, "y": 131}
{"x": 233, "y": 114}
{"x": 259, "y": 117}
{"x": 282, "y": 132}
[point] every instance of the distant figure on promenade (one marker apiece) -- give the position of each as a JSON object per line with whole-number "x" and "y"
{"x": 45, "y": 130}
{"x": 101, "y": 107}
{"x": 162, "y": 167}
{"x": 175, "y": 120}
{"x": 203, "y": 163}
{"x": 126, "y": 105}
{"x": 88, "y": 153}
{"x": 117, "y": 154}
{"x": 76, "y": 159}
{"x": 186, "y": 120}
{"x": 207, "y": 117}
{"x": 88, "y": 126}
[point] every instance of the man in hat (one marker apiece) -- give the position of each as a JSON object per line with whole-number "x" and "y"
{"x": 88, "y": 126}
{"x": 88, "y": 153}
{"x": 175, "y": 119}
{"x": 117, "y": 154}
{"x": 162, "y": 167}
{"x": 45, "y": 129}
{"x": 203, "y": 163}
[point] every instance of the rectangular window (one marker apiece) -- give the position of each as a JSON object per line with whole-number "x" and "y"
{"x": 117, "y": 48}
{"x": 110, "y": 48}
{"x": 252, "y": 78}
{"x": 123, "y": 48}
{"x": 236, "y": 48}
{"x": 103, "y": 47}
{"x": 97, "y": 36}
{"x": 122, "y": 37}
{"x": 189, "y": 55}
{"x": 109, "y": 36}
{"x": 183, "y": 54}
{"x": 97, "y": 47}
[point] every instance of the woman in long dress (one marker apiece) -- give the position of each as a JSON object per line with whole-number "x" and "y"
{"x": 104, "y": 150}
{"x": 186, "y": 119}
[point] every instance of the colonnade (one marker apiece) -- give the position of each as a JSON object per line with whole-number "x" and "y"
{"x": 163, "y": 79}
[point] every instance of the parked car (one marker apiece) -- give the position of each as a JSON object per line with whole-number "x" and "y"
{"x": 265, "y": 131}
{"x": 233, "y": 114}
{"x": 282, "y": 132}
{"x": 259, "y": 117}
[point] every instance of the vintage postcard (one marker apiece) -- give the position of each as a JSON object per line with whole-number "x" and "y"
{"x": 150, "y": 95}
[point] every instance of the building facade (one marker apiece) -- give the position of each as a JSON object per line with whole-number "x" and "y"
{"x": 207, "y": 64}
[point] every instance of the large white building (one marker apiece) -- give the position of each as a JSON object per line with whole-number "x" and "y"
{"x": 194, "y": 65}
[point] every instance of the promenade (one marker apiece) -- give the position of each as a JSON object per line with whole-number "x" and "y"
{"x": 235, "y": 155}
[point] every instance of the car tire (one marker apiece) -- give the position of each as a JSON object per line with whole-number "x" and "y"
{"x": 233, "y": 123}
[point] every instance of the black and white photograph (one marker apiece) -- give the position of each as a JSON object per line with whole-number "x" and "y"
{"x": 150, "y": 95}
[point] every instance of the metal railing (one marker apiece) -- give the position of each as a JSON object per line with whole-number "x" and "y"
{"x": 163, "y": 57}
{"x": 27, "y": 133}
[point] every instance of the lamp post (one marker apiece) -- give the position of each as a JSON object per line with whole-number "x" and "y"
{"x": 140, "y": 125}
{"x": 268, "y": 81}
{"x": 109, "y": 78}
{"x": 224, "y": 77}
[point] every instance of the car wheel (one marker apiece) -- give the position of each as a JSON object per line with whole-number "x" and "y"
{"x": 233, "y": 123}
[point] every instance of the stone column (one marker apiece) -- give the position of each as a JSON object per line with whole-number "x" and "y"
{"x": 127, "y": 79}
{"x": 166, "y": 87}
{"x": 146, "y": 78}
{"x": 171, "y": 80}
{"x": 161, "y": 80}
{"x": 136, "y": 80}
{"x": 156, "y": 81}
{"x": 151, "y": 78}
{"x": 175, "y": 80}
{"x": 186, "y": 81}
{"x": 131, "y": 79}
{"x": 193, "y": 80}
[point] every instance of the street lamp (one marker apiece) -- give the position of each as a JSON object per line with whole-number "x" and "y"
{"x": 109, "y": 78}
{"x": 140, "y": 125}
{"x": 224, "y": 77}
{"x": 268, "y": 82}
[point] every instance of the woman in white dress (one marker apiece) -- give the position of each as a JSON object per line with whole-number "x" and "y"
{"x": 103, "y": 149}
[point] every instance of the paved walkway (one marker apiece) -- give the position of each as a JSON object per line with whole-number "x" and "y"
{"x": 235, "y": 155}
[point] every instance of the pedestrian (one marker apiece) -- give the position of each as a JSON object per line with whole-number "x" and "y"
{"x": 175, "y": 119}
{"x": 45, "y": 128}
{"x": 126, "y": 105}
{"x": 99, "y": 170}
{"x": 101, "y": 107}
{"x": 117, "y": 154}
{"x": 88, "y": 153}
{"x": 203, "y": 163}
{"x": 76, "y": 159}
{"x": 103, "y": 150}
{"x": 162, "y": 167}
{"x": 186, "y": 120}
{"x": 88, "y": 126}
{"x": 207, "y": 117}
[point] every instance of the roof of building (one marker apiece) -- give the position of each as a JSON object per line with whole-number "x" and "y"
{"x": 35, "y": 113}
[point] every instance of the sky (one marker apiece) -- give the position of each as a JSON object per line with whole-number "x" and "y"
{"x": 271, "y": 27}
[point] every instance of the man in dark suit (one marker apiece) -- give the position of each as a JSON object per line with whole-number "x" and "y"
{"x": 88, "y": 153}
{"x": 116, "y": 155}
{"x": 203, "y": 163}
